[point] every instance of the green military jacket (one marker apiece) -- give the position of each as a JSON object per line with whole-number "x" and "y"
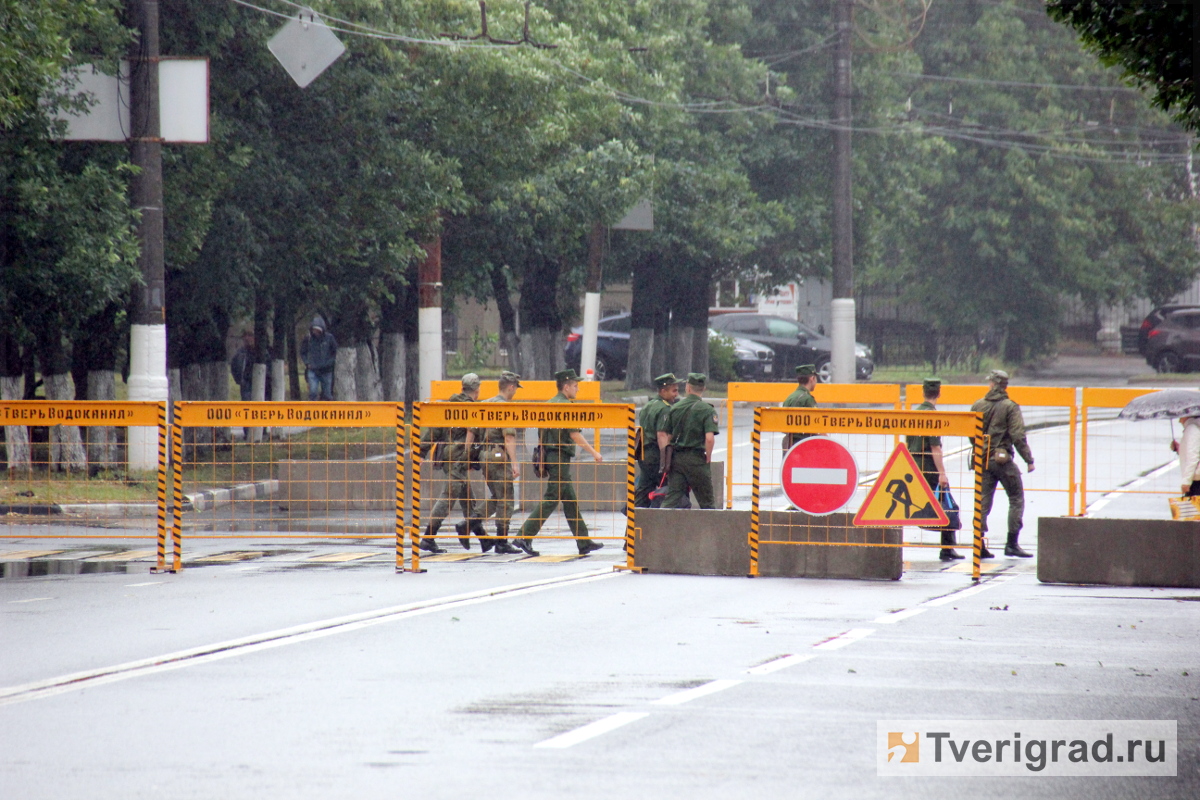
{"x": 494, "y": 435}
{"x": 452, "y": 440}
{"x": 921, "y": 447}
{"x": 688, "y": 421}
{"x": 1003, "y": 422}
{"x": 558, "y": 438}
{"x": 801, "y": 398}
{"x": 651, "y": 419}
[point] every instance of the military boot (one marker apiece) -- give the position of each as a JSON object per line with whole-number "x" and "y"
{"x": 461, "y": 529}
{"x": 485, "y": 542}
{"x": 429, "y": 543}
{"x": 526, "y": 545}
{"x": 503, "y": 546}
{"x": 1011, "y": 548}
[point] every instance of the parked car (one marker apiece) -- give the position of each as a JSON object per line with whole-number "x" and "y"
{"x": 755, "y": 361}
{"x": 1169, "y": 338}
{"x": 794, "y": 343}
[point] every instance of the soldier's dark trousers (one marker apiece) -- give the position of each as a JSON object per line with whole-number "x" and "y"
{"x": 689, "y": 468}
{"x": 649, "y": 475}
{"x": 1008, "y": 476}
{"x": 559, "y": 489}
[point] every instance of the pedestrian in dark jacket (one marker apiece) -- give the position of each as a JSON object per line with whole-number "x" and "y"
{"x": 242, "y": 365}
{"x": 319, "y": 351}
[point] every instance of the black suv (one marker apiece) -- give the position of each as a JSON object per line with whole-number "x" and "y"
{"x": 794, "y": 343}
{"x": 754, "y": 361}
{"x": 1169, "y": 338}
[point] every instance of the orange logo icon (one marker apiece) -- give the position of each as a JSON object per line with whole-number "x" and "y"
{"x": 904, "y": 747}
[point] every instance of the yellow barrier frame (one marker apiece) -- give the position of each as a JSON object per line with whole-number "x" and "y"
{"x": 524, "y": 415}
{"x": 1025, "y": 396}
{"x": 1100, "y": 398}
{"x": 860, "y": 421}
{"x": 840, "y": 393}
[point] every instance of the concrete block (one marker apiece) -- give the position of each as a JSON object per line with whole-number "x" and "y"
{"x": 693, "y": 542}
{"x": 1119, "y": 552}
{"x": 717, "y": 543}
{"x": 782, "y": 551}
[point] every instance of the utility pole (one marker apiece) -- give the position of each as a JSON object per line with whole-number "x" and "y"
{"x": 843, "y": 333}
{"x": 148, "y": 337}
{"x": 429, "y": 316}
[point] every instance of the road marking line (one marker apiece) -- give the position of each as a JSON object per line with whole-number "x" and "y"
{"x": 712, "y": 687}
{"x": 22, "y": 554}
{"x": 840, "y": 641}
{"x": 224, "y": 558}
{"x": 453, "y": 557}
{"x": 592, "y": 730}
{"x": 147, "y": 583}
{"x": 950, "y": 598}
{"x": 284, "y": 636}
{"x": 339, "y": 557}
{"x": 888, "y": 619}
{"x": 552, "y": 559}
{"x": 783, "y": 662}
{"x": 127, "y": 555}
{"x": 31, "y": 600}
{"x": 1131, "y": 486}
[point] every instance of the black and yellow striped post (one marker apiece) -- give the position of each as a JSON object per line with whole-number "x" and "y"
{"x": 979, "y": 446}
{"x": 161, "y": 564}
{"x": 177, "y": 495}
{"x": 414, "y": 440}
{"x": 755, "y": 442}
{"x": 630, "y": 478}
{"x": 400, "y": 487}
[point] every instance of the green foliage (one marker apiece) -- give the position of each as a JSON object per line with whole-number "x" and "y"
{"x": 483, "y": 347}
{"x": 1150, "y": 40}
{"x": 722, "y": 359}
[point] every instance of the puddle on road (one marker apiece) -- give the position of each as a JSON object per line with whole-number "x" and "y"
{"x": 40, "y": 568}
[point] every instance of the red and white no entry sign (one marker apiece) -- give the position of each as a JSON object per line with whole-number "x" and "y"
{"x": 819, "y": 475}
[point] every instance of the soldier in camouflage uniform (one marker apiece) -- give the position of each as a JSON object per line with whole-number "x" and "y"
{"x": 1002, "y": 421}
{"x": 559, "y": 445}
{"x": 454, "y": 446}
{"x": 500, "y": 469}
{"x": 690, "y": 427}
{"x": 927, "y": 452}
{"x": 650, "y": 467}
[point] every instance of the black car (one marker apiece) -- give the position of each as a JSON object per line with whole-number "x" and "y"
{"x": 1169, "y": 338}
{"x": 794, "y": 343}
{"x": 755, "y": 361}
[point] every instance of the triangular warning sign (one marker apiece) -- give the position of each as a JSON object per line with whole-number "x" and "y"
{"x": 901, "y": 496}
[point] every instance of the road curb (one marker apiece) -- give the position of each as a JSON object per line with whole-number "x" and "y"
{"x": 211, "y": 499}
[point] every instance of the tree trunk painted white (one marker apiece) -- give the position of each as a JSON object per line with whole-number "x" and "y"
{"x": 278, "y": 380}
{"x": 345, "y": 371}
{"x": 102, "y": 451}
{"x": 641, "y": 350}
{"x": 66, "y": 444}
{"x": 17, "y": 454}
{"x": 392, "y": 360}
{"x": 681, "y": 349}
{"x": 366, "y": 375}
{"x": 147, "y": 381}
{"x": 258, "y": 393}
{"x": 659, "y": 353}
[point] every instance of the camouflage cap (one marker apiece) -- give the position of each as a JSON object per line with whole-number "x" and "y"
{"x": 566, "y": 375}
{"x": 998, "y": 376}
{"x": 697, "y": 378}
{"x": 806, "y": 370}
{"x": 470, "y": 381}
{"x": 932, "y": 384}
{"x": 665, "y": 380}
{"x": 510, "y": 379}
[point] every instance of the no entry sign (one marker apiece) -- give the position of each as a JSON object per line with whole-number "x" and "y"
{"x": 819, "y": 475}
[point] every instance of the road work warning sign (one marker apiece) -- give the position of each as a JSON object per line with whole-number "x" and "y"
{"x": 901, "y": 496}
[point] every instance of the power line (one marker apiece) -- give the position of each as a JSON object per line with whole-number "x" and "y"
{"x": 1015, "y": 84}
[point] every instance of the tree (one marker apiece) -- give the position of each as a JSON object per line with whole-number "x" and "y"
{"x": 1152, "y": 41}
